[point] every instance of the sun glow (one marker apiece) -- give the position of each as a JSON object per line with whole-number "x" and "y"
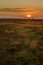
{"x": 28, "y": 16}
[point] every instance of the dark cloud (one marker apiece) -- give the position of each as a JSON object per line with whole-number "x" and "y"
{"x": 18, "y": 10}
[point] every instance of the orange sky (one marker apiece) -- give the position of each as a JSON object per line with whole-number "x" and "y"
{"x": 21, "y": 8}
{"x": 21, "y": 3}
{"x": 21, "y": 12}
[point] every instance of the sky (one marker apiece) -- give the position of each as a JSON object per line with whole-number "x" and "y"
{"x": 24, "y": 7}
{"x": 21, "y": 3}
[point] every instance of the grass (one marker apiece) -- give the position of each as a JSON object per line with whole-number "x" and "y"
{"x": 21, "y": 42}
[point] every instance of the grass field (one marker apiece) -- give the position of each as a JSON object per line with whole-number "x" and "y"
{"x": 21, "y": 42}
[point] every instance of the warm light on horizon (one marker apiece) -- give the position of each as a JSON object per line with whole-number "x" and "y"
{"x": 28, "y": 15}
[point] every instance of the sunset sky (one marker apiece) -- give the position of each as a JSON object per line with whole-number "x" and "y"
{"x": 21, "y": 3}
{"x": 23, "y": 8}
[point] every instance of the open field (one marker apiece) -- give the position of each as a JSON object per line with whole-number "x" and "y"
{"x": 21, "y": 42}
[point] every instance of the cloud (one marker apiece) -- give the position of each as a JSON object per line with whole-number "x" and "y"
{"x": 19, "y": 10}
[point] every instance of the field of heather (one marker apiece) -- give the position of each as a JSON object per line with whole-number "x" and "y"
{"x": 21, "y": 42}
